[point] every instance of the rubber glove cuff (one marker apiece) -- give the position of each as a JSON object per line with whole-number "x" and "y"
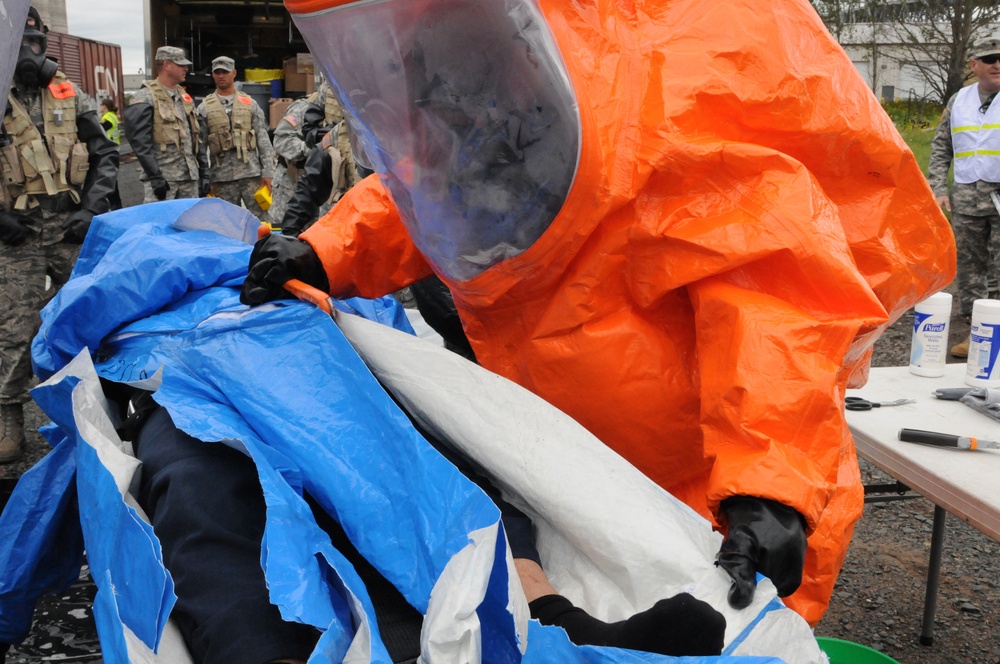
{"x": 276, "y": 259}
{"x": 764, "y": 536}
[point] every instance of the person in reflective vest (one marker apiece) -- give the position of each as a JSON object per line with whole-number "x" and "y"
{"x": 968, "y": 136}
{"x": 109, "y": 120}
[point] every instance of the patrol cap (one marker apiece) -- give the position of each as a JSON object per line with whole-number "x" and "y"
{"x": 173, "y": 54}
{"x": 986, "y": 47}
{"x": 222, "y": 62}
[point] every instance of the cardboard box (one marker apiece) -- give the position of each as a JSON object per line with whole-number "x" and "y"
{"x": 294, "y": 81}
{"x": 277, "y": 109}
{"x": 304, "y": 63}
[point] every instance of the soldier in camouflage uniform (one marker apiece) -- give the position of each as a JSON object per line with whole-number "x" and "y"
{"x": 303, "y": 126}
{"x": 968, "y": 134}
{"x": 58, "y": 169}
{"x": 242, "y": 158}
{"x": 328, "y": 172}
{"x": 162, "y": 126}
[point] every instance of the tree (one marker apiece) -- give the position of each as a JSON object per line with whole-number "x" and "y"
{"x": 931, "y": 37}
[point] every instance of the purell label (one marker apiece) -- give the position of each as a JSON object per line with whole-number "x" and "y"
{"x": 929, "y": 339}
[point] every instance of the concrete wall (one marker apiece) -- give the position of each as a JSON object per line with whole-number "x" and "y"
{"x": 53, "y": 13}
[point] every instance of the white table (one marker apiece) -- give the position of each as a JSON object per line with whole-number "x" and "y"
{"x": 964, "y": 483}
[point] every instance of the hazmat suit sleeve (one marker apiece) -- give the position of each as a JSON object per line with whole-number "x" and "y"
{"x": 364, "y": 246}
{"x": 138, "y": 124}
{"x": 314, "y": 186}
{"x": 103, "y": 158}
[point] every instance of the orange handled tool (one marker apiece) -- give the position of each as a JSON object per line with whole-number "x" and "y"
{"x": 299, "y": 288}
{"x": 307, "y": 293}
{"x": 946, "y": 440}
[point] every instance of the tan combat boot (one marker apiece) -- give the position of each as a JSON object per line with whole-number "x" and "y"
{"x": 11, "y": 432}
{"x": 960, "y": 350}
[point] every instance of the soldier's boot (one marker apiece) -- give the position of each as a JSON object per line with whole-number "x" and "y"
{"x": 11, "y": 432}
{"x": 960, "y": 350}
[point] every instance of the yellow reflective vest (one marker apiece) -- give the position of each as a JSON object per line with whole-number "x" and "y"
{"x": 114, "y": 133}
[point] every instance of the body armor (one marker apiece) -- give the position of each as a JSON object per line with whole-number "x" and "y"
{"x": 168, "y": 125}
{"x": 343, "y": 169}
{"x": 233, "y": 132}
{"x": 37, "y": 165}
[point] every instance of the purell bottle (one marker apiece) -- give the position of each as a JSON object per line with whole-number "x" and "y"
{"x": 982, "y": 369}
{"x": 929, "y": 347}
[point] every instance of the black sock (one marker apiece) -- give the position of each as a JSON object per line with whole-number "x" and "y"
{"x": 681, "y": 625}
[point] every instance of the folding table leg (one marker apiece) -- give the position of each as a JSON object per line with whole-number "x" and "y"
{"x": 933, "y": 577}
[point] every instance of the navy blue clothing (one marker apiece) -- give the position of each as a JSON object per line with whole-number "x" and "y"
{"x": 207, "y": 508}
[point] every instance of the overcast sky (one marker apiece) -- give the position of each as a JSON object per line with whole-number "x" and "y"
{"x": 113, "y": 21}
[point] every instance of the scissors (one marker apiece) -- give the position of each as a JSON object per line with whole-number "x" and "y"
{"x": 858, "y": 403}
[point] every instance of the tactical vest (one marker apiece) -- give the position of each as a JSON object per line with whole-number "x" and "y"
{"x": 227, "y": 132}
{"x": 975, "y": 137}
{"x": 337, "y": 144}
{"x": 115, "y": 132}
{"x": 37, "y": 165}
{"x": 168, "y": 124}
{"x": 332, "y": 111}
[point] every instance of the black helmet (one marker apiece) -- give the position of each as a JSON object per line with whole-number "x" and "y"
{"x": 35, "y": 28}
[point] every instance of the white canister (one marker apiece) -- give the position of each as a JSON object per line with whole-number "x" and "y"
{"x": 929, "y": 347}
{"x": 982, "y": 369}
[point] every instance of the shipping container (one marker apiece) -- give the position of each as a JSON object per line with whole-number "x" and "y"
{"x": 93, "y": 65}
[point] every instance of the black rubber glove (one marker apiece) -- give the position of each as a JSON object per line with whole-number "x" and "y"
{"x": 204, "y": 185}
{"x": 76, "y": 226}
{"x": 275, "y": 260}
{"x": 314, "y": 137}
{"x": 764, "y": 536}
{"x": 160, "y": 187}
{"x": 13, "y": 228}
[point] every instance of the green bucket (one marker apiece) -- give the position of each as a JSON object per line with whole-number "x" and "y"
{"x": 846, "y": 652}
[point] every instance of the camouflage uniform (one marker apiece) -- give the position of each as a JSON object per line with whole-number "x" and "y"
{"x": 974, "y": 218}
{"x": 237, "y": 170}
{"x": 290, "y": 145}
{"x": 45, "y": 251}
{"x": 182, "y": 163}
{"x": 329, "y": 171}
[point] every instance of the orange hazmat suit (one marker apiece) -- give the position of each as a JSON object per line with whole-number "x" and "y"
{"x": 741, "y": 223}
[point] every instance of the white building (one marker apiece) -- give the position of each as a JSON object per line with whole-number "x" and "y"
{"x": 893, "y": 66}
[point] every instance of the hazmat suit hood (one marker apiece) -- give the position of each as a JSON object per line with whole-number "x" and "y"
{"x": 468, "y": 116}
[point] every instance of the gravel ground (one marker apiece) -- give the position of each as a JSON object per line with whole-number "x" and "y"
{"x": 879, "y": 597}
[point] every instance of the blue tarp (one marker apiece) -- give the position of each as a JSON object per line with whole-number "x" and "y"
{"x": 154, "y": 299}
